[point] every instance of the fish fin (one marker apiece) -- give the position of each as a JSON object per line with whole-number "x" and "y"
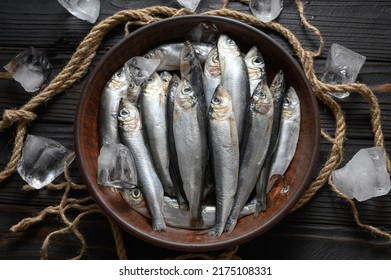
{"x": 260, "y": 206}
{"x": 230, "y": 225}
{"x": 216, "y": 230}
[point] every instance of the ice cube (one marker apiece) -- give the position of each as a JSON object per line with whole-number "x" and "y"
{"x": 87, "y": 10}
{"x": 30, "y": 68}
{"x": 342, "y": 67}
{"x": 204, "y": 32}
{"x": 141, "y": 68}
{"x": 42, "y": 160}
{"x": 266, "y": 10}
{"x": 364, "y": 176}
{"x": 189, "y": 4}
{"x": 116, "y": 167}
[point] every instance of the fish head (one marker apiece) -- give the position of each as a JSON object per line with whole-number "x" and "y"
{"x": 212, "y": 63}
{"x": 227, "y": 46}
{"x": 278, "y": 85}
{"x": 262, "y": 99}
{"x": 153, "y": 85}
{"x": 120, "y": 79}
{"x": 185, "y": 96}
{"x": 221, "y": 104}
{"x": 188, "y": 57}
{"x": 134, "y": 197}
{"x": 128, "y": 116}
{"x": 291, "y": 104}
{"x": 157, "y": 53}
{"x": 166, "y": 79}
{"x": 133, "y": 92}
{"x": 255, "y": 64}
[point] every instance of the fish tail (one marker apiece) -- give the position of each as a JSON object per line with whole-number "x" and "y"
{"x": 159, "y": 225}
{"x": 216, "y": 230}
{"x": 230, "y": 225}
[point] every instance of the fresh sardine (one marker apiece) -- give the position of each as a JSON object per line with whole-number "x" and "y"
{"x": 169, "y": 54}
{"x": 255, "y": 68}
{"x": 174, "y": 216}
{"x": 289, "y": 134}
{"x": 191, "y": 70}
{"x": 174, "y": 166}
{"x": 253, "y": 149}
{"x": 277, "y": 89}
{"x": 224, "y": 148}
{"x": 212, "y": 75}
{"x": 191, "y": 144}
{"x": 234, "y": 78}
{"x": 114, "y": 90}
{"x": 153, "y": 115}
{"x": 132, "y": 136}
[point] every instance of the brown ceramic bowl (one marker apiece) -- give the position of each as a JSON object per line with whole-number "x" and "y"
{"x": 297, "y": 177}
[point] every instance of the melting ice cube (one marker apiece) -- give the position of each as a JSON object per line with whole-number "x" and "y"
{"x": 141, "y": 68}
{"x": 342, "y": 67}
{"x": 266, "y": 10}
{"x": 87, "y": 10}
{"x": 30, "y": 68}
{"x": 116, "y": 167}
{"x": 189, "y": 4}
{"x": 204, "y": 32}
{"x": 42, "y": 160}
{"x": 364, "y": 176}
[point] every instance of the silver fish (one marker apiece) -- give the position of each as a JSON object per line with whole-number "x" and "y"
{"x": 278, "y": 91}
{"x": 173, "y": 215}
{"x": 191, "y": 70}
{"x": 112, "y": 93}
{"x": 224, "y": 147}
{"x": 153, "y": 115}
{"x": 255, "y": 68}
{"x": 234, "y": 78}
{"x": 253, "y": 149}
{"x": 191, "y": 144}
{"x": 169, "y": 54}
{"x": 132, "y": 136}
{"x": 174, "y": 166}
{"x": 212, "y": 75}
{"x": 289, "y": 133}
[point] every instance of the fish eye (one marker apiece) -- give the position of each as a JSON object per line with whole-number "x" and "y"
{"x": 136, "y": 193}
{"x": 257, "y": 61}
{"x": 287, "y": 101}
{"x": 216, "y": 100}
{"x": 124, "y": 112}
{"x": 148, "y": 55}
{"x": 186, "y": 90}
{"x": 231, "y": 42}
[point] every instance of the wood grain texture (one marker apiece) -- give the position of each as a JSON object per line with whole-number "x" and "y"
{"x": 322, "y": 229}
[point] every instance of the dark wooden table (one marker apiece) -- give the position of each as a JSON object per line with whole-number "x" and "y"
{"x": 322, "y": 229}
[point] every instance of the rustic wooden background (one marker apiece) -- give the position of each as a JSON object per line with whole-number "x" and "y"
{"x": 323, "y": 229}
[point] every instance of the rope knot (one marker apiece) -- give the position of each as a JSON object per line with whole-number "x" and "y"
{"x": 11, "y": 116}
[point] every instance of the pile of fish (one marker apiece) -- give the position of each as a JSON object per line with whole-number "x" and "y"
{"x": 205, "y": 131}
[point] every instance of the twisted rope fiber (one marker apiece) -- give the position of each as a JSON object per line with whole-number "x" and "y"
{"x": 78, "y": 66}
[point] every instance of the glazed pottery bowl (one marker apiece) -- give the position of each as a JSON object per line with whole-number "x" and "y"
{"x": 296, "y": 179}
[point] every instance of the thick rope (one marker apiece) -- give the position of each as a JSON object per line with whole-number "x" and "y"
{"x": 79, "y": 65}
